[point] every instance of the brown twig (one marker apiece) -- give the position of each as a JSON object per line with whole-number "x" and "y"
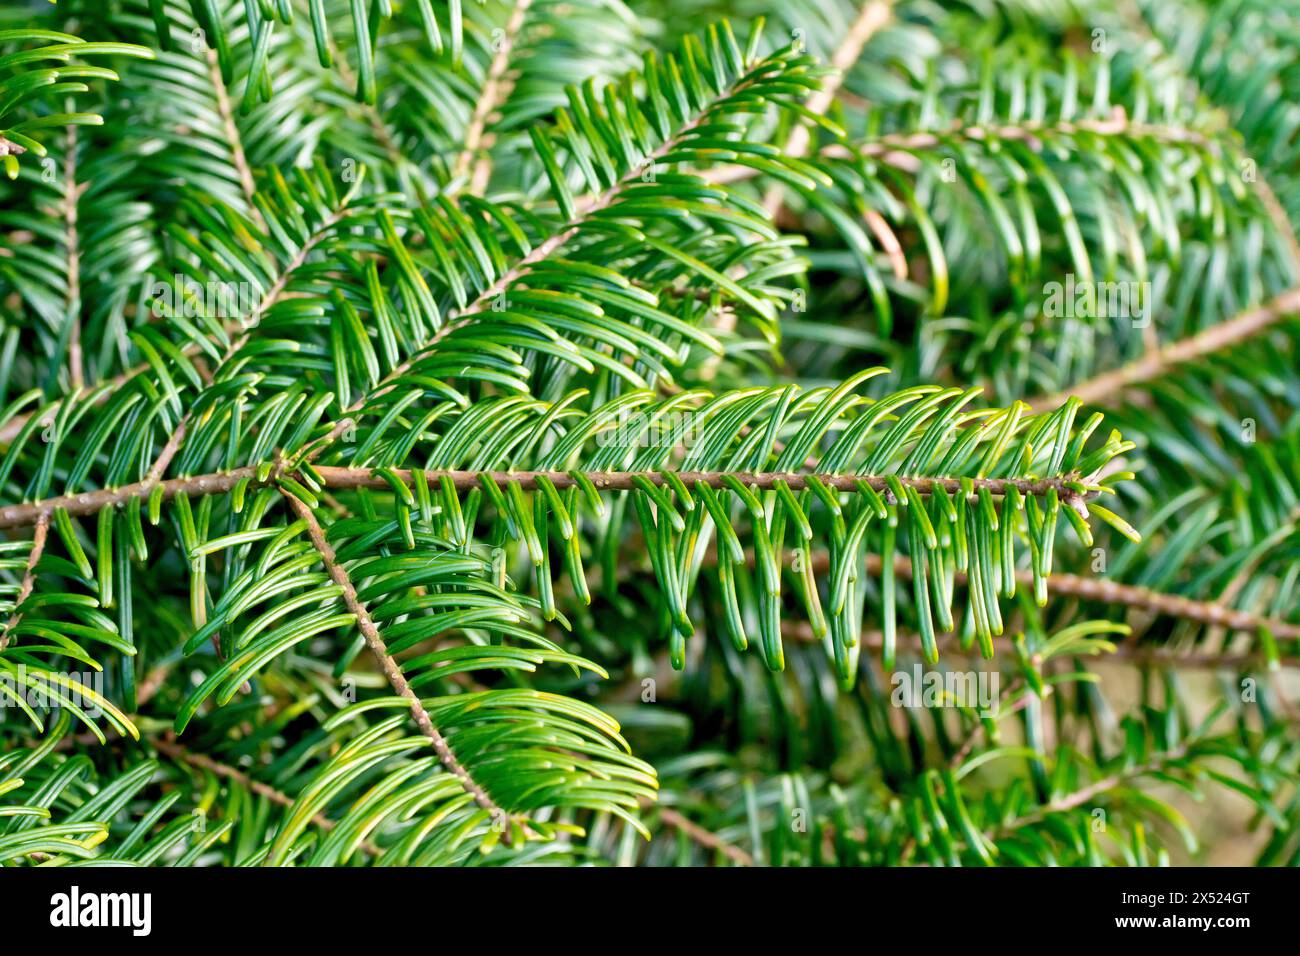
{"x": 71, "y": 194}
{"x": 232, "y": 138}
{"x": 763, "y": 481}
{"x": 1113, "y": 592}
{"x": 39, "y": 538}
{"x": 802, "y": 632}
{"x": 897, "y": 149}
{"x": 497, "y": 87}
{"x": 21, "y": 515}
{"x": 873, "y": 15}
{"x": 1281, "y": 221}
{"x": 1084, "y": 795}
{"x": 176, "y": 752}
{"x": 387, "y": 664}
{"x": 705, "y": 838}
{"x": 968, "y": 744}
{"x": 1109, "y": 385}
{"x": 1069, "y": 802}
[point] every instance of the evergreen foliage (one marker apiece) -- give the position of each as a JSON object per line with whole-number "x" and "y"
{"x": 553, "y": 431}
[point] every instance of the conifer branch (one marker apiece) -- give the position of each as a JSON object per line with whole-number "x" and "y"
{"x": 391, "y": 670}
{"x": 538, "y": 475}
{"x": 39, "y": 537}
{"x": 896, "y": 149}
{"x": 233, "y": 138}
{"x": 558, "y": 240}
{"x": 1106, "y": 387}
{"x": 497, "y": 87}
{"x": 246, "y": 325}
{"x": 341, "y": 478}
{"x": 223, "y": 770}
{"x": 1277, "y": 214}
{"x": 1125, "y": 653}
{"x": 1105, "y": 591}
{"x": 1085, "y": 795}
{"x": 705, "y": 838}
{"x": 871, "y": 18}
{"x": 1078, "y": 798}
{"x": 241, "y": 327}
{"x": 71, "y": 194}
{"x": 585, "y": 209}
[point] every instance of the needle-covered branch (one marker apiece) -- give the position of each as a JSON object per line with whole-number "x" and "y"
{"x": 391, "y": 670}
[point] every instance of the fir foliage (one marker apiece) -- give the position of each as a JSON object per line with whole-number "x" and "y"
{"x": 527, "y": 431}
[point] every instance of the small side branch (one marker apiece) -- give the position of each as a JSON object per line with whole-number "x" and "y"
{"x": 802, "y": 632}
{"x": 1113, "y": 592}
{"x": 1086, "y": 795}
{"x": 587, "y": 208}
{"x": 705, "y": 838}
{"x": 245, "y": 330}
{"x": 870, "y": 19}
{"x": 176, "y": 752}
{"x": 239, "y": 329}
{"x": 1105, "y": 388}
{"x": 897, "y": 150}
{"x": 497, "y": 87}
{"x": 72, "y": 248}
{"x": 233, "y": 139}
{"x": 29, "y": 577}
{"x": 1071, "y": 801}
{"x": 387, "y": 664}
{"x": 1193, "y": 91}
